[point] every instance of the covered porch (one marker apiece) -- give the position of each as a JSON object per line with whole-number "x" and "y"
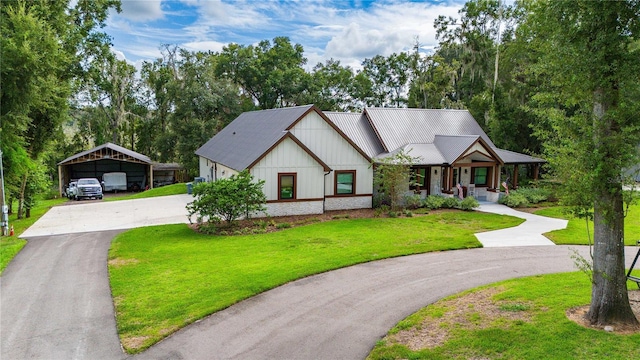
{"x": 469, "y": 166}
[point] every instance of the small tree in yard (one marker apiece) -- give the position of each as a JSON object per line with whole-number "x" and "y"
{"x": 392, "y": 177}
{"x": 227, "y": 199}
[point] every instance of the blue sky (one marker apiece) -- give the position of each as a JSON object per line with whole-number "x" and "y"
{"x": 346, "y": 30}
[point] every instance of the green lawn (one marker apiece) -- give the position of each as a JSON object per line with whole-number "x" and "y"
{"x": 527, "y": 321}
{"x": 10, "y": 246}
{"x": 173, "y": 189}
{"x": 165, "y": 277}
{"x": 576, "y": 231}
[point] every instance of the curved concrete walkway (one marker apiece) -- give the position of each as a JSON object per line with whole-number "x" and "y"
{"x": 529, "y": 233}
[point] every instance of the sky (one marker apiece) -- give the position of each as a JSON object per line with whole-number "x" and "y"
{"x": 345, "y": 30}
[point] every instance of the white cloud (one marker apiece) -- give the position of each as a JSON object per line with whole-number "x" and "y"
{"x": 204, "y": 46}
{"x": 388, "y": 28}
{"x": 142, "y": 11}
{"x": 325, "y": 28}
{"x": 231, "y": 14}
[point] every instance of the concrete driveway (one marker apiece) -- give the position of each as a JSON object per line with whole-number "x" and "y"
{"x": 111, "y": 215}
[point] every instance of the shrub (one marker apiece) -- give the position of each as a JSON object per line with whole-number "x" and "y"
{"x": 392, "y": 214}
{"x": 469, "y": 203}
{"x": 433, "y": 202}
{"x": 227, "y": 199}
{"x": 412, "y": 201}
{"x": 284, "y": 225}
{"x": 451, "y": 203}
{"x": 534, "y": 195}
{"x": 514, "y": 199}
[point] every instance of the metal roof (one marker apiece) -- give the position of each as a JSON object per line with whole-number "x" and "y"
{"x": 452, "y": 147}
{"x": 113, "y": 147}
{"x": 250, "y": 136}
{"x": 396, "y": 127}
{"x": 512, "y": 157}
{"x": 423, "y": 154}
{"x": 356, "y": 127}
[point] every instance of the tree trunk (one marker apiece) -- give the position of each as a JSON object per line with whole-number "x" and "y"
{"x": 23, "y": 187}
{"x": 609, "y": 294}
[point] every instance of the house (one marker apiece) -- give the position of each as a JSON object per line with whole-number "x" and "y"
{"x": 313, "y": 161}
{"x": 308, "y": 164}
{"x": 450, "y": 147}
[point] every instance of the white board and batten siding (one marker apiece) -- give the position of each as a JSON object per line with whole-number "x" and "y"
{"x": 212, "y": 171}
{"x": 339, "y": 154}
{"x": 288, "y": 157}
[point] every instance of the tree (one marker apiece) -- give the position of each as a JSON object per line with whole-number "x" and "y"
{"x": 389, "y": 77}
{"x": 392, "y": 177}
{"x": 271, "y": 74}
{"x": 46, "y": 48}
{"x": 330, "y": 87}
{"x": 227, "y": 199}
{"x": 203, "y": 104}
{"x": 591, "y": 105}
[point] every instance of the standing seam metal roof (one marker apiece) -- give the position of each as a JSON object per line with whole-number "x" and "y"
{"x": 397, "y": 126}
{"x": 356, "y": 127}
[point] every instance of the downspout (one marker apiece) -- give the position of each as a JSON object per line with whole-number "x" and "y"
{"x": 324, "y": 190}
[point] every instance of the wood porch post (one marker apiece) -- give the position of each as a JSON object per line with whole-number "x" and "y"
{"x": 60, "y": 180}
{"x": 515, "y": 176}
{"x": 536, "y": 168}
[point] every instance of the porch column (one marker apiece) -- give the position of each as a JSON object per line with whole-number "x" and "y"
{"x": 151, "y": 176}
{"x": 60, "y": 180}
{"x": 515, "y": 176}
{"x": 536, "y": 168}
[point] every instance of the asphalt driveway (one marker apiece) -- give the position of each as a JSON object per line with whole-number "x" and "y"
{"x": 55, "y": 303}
{"x": 55, "y": 300}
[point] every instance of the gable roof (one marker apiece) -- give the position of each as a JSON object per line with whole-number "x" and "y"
{"x": 108, "y": 151}
{"x": 444, "y": 150}
{"x": 249, "y": 137}
{"x": 398, "y": 126}
{"x": 356, "y": 127}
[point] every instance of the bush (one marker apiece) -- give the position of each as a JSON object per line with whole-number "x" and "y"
{"x": 433, "y": 202}
{"x": 451, "y": 203}
{"x": 534, "y": 195}
{"x": 469, "y": 203}
{"x": 412, "y": 201}
{"x": 514, "y": 199}
{"x": 227, "y": 199}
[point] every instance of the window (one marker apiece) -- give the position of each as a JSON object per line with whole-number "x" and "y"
{"x": 287, "y": 186}
{"x": 419, "y": 178}
{"x": 480, "y": 176}
{"x": 345, "y": 182}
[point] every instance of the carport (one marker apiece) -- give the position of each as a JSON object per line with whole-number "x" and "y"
{"x": 107, "y": 158}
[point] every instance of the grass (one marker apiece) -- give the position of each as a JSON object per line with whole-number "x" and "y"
{"x": 166, "y": 277}
{"x": 173, "y": 189}
{"x": 541, "y": 329}
{"x": 11, "y": 245}
{"x": 576, "y": 231}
